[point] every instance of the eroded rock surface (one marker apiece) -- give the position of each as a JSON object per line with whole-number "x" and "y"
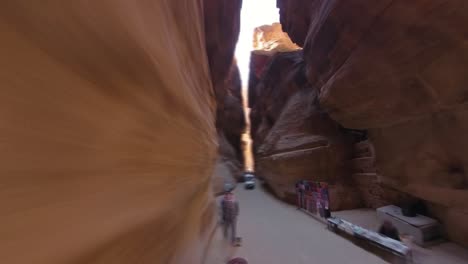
{"x": 397, "y": 69}
{"x": 230, "y": 123}
{"x": 304, "y": 143}
{"x": 280, "y": 79}
{"x": 108, "y": 137}
{"x": 222, "y": 25}
{"x": 295, "y": 18}
{"x": 293, "y": 138}
{"x": 269, "y": 39}
{"x": 274, "y": 54}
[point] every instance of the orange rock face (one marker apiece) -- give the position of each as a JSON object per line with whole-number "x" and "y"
{"x": 108, "y": 137}
{"x": 293, "y": 138}
{"x": 397, "y": 69}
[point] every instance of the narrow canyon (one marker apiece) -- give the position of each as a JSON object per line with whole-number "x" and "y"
{"x": 121, "y": 121}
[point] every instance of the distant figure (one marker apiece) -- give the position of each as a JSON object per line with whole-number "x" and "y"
{"x": 238, "y": 261}
{"x": 389, "y": 230}
{"x": 230, "y": 211}
{"x": 300, "y": 189}
{"x": 326, "y": 209}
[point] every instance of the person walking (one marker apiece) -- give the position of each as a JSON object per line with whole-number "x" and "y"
{"x": 230, "y": 212}
{"x": 300, "y": 189}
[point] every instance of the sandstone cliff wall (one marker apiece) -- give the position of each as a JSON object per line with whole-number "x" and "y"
{"x": 397, "y": 69}
{"x": 294, "y": 139}
{"x": 222, "y": 25}
{"x": 108, "y": 138}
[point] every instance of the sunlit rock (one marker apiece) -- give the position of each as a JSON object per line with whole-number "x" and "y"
{"x": 269, "y": 39}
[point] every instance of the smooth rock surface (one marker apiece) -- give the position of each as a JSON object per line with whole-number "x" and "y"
{"x": 108, "y": 138}
{"x": 395, "y": 61}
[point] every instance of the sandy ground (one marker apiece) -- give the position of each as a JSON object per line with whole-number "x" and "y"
{"x": 276, "y": 233}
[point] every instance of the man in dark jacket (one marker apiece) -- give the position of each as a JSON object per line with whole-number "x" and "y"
{"x": 230, "y": 211}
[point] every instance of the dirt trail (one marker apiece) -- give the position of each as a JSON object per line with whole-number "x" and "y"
{"x": 276, "y": 233}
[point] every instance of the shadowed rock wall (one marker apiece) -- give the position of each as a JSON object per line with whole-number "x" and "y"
{"x": 397, "y": 69}
{"x": 222, "y": 24}
{"x": 294, "y": 139}
{"x": 230, "y": 123}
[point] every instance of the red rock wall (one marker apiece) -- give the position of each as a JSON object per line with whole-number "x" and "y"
{"x": 230, "y": 123}
{"x": 222, "y": 25}
{"x": 108, "y": 137}
{"x": 295, "y": 18}
{"x": 293, "y": 138}
{"x": 230, "y": 113}
{"x": 258, "y": 62}
{"x": 282, "y": 70}
{"x": 397, "y": 69}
